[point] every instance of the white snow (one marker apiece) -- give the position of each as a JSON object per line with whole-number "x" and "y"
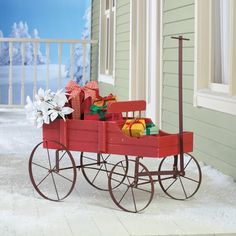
{"x": 88, "y": 211}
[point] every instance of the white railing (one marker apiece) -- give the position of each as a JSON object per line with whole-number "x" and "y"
{"x": 36, "y": 43}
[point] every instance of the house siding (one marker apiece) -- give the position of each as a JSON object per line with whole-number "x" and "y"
{"x": 122, "y": 45}
{"x": 214, "y": 132}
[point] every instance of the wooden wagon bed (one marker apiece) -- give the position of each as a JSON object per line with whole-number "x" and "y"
{"x": 107, "y": 137}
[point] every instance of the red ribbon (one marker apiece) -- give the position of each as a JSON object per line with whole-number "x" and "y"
{"x": 103, "y": 100}
{"x": 90, "y": 89}
{"x": 131, "y": 123}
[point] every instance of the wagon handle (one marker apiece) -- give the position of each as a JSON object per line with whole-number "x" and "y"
{"x": 180, "y": 62}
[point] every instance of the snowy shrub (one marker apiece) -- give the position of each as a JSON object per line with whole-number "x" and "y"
{"x": 78, "y": 54}
{"x": 21, "y": 30}
{"x": 47, "y": 107}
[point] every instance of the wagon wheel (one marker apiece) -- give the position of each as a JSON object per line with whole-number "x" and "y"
{"x": 134, "y": 193}
{"x": 97, "y": 173}
{"x": 52, "y": 171}
{"x": 182, "y": 186}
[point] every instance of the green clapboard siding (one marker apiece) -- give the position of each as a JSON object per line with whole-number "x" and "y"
{"x": 214, "y": 132}
{"x": 122, "y": 45}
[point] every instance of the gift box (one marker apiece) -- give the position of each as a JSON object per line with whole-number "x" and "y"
{"x": 134, "y": 127}
{"x": 151, "y": 130}
{"x": 96, "y": 113}
{"x": 102, "y": 101}
{"x": 91, "y": 90}
{"x": 77, "y": 96}
{"x": 99, "y": 113}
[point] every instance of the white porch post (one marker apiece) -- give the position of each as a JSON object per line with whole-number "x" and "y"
{"x": 154, "y": 60}
{"x": 145, "y": 55}
{"x": 137, "y": 84}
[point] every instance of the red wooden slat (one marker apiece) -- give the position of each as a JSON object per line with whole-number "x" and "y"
{"x": 107, "y": 137}
{"x": 126, "y": 106}
{"x": 102, "y": 133}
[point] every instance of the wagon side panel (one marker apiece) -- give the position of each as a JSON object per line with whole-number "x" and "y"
{"x": 82, "y": 135}
{"x": 160, "y": 145}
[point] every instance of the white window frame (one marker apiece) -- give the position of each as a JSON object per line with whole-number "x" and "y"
{"x": 104, "y": 75}
{"x": 219, "y": 97}
{"x": 145, "y": 74}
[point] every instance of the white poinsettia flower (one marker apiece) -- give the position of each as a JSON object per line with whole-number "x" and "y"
{"x": 36, "y": 116}
{"x": 43, "y": 98}
{"x": 47, "y": 107}
{"x": 59, "y": 99}
{"x": 59, "y": 111}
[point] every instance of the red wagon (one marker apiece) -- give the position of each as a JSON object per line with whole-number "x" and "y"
{"x": 104, "y": 151}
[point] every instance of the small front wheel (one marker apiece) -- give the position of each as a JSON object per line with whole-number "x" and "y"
{"x": 184, "y": 185}
{"x": 136, "y": 188}
{"x": 52, "y": 171}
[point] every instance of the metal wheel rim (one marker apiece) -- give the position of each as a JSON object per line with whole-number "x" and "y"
{"x": 198, "y": 185}
{"x": 115, "y": 200}
{"x": 88, "y": 179}
{"x": 32, "y": 176}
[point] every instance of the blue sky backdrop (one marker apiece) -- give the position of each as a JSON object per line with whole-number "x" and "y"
{"x": 52, "y": 18}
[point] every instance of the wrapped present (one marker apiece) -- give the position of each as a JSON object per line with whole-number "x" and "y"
{"x": 77, "y": 96}
{"x": 151, "y": 130}
{"x": 99, "y": 113}
{"x": 91, "y": 90}
{"x": 134, "y": 127}
{"x": 102, "y": 101}
{"x": 96, "y": 113}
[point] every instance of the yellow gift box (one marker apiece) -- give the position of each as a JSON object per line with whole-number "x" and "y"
{"x": 134, "y": 127}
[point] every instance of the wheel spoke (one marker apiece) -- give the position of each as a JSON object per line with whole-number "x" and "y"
{"x": 62, "y": 156}
{"x": 106, "y": 157}
{"x": 188, "y": 163}
{"x": 118, "y": 181}
{"x": 190, "y": 179}
{"x": 105, "y": 165}
{"x": 40, "y": 166}
{"x": 170, "y": 185}
{"x": 128, "y": 187}
{"x": 92, "y": 159}
{"x": 134, "y": 199}
{"x": 183, "y": 187}
{"x": 125, "y": 172}
{"x": 97, "y": 173}
{"x": 63, "y": 177}
{"x": 43, "y": 179}
{"x": 55, "y": 186}
{"x": 141, "y": 189}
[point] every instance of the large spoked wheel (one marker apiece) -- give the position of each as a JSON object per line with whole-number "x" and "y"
{"x": 135, "y": 192}
{"x": 97, "y": 167}
{"x": 52, "y": 171}
{"x": 181, "y": 186}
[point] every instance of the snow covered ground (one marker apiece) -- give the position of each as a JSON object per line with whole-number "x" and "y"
{"x": 88, "y": 211}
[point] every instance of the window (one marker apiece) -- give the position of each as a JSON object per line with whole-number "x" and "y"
{"x": 215, "y": 55}
{"x": 107, "y": 41}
